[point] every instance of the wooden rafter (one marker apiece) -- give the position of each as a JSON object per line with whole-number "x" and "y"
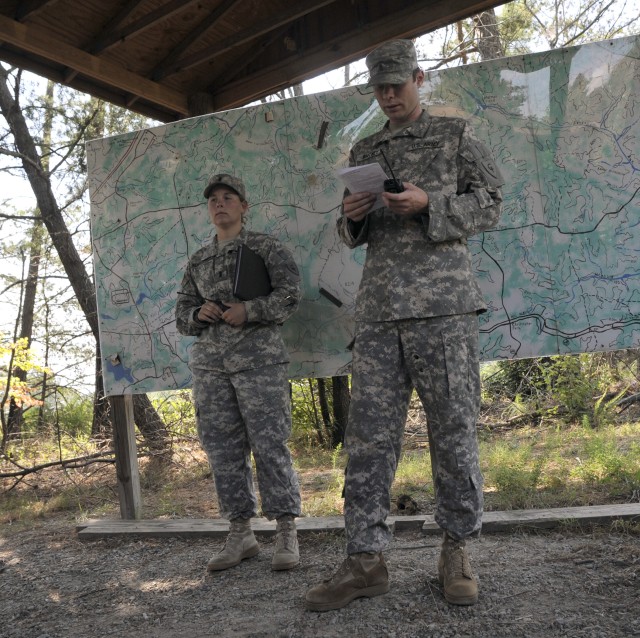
{"x": 242, "y": 61}
{"x": 133, "y": 29}
{"x": 192, "y": 37}
{"x": 297, "y": 10}
{"x": 31, "y": 7}
{"x": 115, "y": 22}
{"x": 293, "y": 69}
{"x": 39, "y": 42}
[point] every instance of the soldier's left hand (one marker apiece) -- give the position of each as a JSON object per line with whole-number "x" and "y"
{"x": 236, "y": 315}
{"x": 412, "y": 201}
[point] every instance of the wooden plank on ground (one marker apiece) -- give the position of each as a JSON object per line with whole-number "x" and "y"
{"x": 518, "y": 519}
{"x": 218, "y": 527}
{"x": 408, "y": 523}
{"x": 192, "y": 528}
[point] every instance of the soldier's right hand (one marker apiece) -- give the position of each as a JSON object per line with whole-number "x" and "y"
{"x": 210, "y": 312}
{"x": 356, "y": 206}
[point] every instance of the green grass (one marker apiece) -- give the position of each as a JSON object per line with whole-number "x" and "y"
{"x": 527, "y": 468}
{"x": 413, "y": 476}
{"x": 524, "y": 468}
{"x": 546, "y": 467}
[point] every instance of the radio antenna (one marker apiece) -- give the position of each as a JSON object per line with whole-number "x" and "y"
{"x": 392, "y": 185}
{"x": 386, "y": 161}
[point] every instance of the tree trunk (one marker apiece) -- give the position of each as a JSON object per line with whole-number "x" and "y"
{"x": 487, "y": 36}
{"x": 150, "y": 424}
{"x": 317, "y": 421}
{"x": 79, "y": 279}
{"x": 35, "y": 255}
{"x": 51, "y": 215}
{"x": 14, "y": 419}
{"x": 323, "y": 398}
{"x": 45, "y": 377}
{"x": 341, "y": 401}
{"x": 101, "y": 423}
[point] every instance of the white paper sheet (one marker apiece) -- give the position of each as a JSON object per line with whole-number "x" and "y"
{"x": 368, "y": 178}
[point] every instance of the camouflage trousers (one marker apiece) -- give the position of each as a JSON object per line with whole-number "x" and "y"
{"x": 239, "y": 414}
{"x": 439, "y": 358}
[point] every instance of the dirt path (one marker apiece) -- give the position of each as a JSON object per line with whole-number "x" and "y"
{"x": 572, "y": 583}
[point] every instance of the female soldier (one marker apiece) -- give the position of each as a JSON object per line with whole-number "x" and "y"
{"x": 240, "y": 387}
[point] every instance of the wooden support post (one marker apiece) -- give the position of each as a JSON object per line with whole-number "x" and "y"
{"x": 127, "y": 471}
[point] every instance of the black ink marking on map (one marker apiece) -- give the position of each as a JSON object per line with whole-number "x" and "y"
{"x": 330, "y": 297}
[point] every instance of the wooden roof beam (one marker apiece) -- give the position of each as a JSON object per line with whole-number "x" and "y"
{"x": 31, "y": 7}
{"x": 38, "y": 41}
{"x": 84, "y": 85}
{"x": 192, "y": 37}
{"x": 149, "y": 20}
{"x": 116, "y": 20}
{"x": 296, "y": 11}
{"x": 244, "y": 60}
{"x": 354, "y": 45}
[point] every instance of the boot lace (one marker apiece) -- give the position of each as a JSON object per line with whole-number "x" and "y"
{"x": 285, "y": 535}
{"x": 345, "y": 568}
{"x": 237, "y": 529}
{"x": 458, "y": 563}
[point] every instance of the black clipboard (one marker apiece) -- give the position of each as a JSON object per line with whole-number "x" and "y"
{"x": 251, "y": 277}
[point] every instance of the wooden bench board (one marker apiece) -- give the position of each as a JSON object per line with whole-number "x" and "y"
{"x": 492, "y": 522}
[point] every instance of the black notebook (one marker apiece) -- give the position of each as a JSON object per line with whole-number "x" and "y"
{"x": 251, "y": 279}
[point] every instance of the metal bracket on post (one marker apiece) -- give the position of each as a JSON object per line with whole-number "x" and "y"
{"x": 127, "y": 470}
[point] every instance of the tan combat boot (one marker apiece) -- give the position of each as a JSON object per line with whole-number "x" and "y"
{"x": 240, "y": 544}
{"x": 455, "y": 575}
{"x": 359, "y": 575}
{"x": 286, "y": 554}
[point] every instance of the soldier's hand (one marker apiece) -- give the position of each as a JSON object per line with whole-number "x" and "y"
{"x": 209, "y": 312}
{"x": 236, "y": 315}
{"x": 412, "y": 201}
{"x": 356, "y": 206}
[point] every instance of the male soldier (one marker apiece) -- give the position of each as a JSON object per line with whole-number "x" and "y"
{"x": 416, "y": 327}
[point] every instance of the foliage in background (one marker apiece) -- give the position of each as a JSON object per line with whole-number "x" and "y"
{"x": 581, "y": 388}
{"x": 527, "y": 26}
{"x": 309, "y": 425}
{"x": 18, "y": 354}
{"x": 177, "y": 412}
{"x": 534, "y": 452}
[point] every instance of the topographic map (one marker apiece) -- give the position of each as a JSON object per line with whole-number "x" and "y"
{"x": 560, "y": 273}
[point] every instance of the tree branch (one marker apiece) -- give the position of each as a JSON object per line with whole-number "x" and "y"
{"x": 74, "y": 463}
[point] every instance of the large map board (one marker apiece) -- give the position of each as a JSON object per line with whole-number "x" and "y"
{"x": 560, "y": 273}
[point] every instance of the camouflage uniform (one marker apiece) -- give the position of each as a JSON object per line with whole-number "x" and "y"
{"x": 240, "y": 387}
{"x": 416, "y": 326}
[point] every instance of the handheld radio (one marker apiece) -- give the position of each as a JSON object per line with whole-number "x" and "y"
{"x": 391, "y": 185}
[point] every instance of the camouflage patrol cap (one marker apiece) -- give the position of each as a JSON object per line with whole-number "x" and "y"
{"x": 392, "y": 62}
{"x": 224, "y": 179}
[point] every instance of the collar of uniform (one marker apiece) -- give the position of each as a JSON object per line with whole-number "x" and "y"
{"x": 233, "y": 244}
{"x": 417, "y": 128}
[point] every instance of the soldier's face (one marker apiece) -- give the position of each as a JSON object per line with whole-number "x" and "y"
{"x": 226, "y": 208}
{"x": 400, "y": 102}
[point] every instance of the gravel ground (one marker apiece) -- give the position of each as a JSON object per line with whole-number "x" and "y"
{"x": 575, "y": 583}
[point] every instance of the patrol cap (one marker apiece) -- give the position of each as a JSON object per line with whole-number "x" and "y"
{"x": 392, "y": 62}
{"x": 224, "y": 179}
